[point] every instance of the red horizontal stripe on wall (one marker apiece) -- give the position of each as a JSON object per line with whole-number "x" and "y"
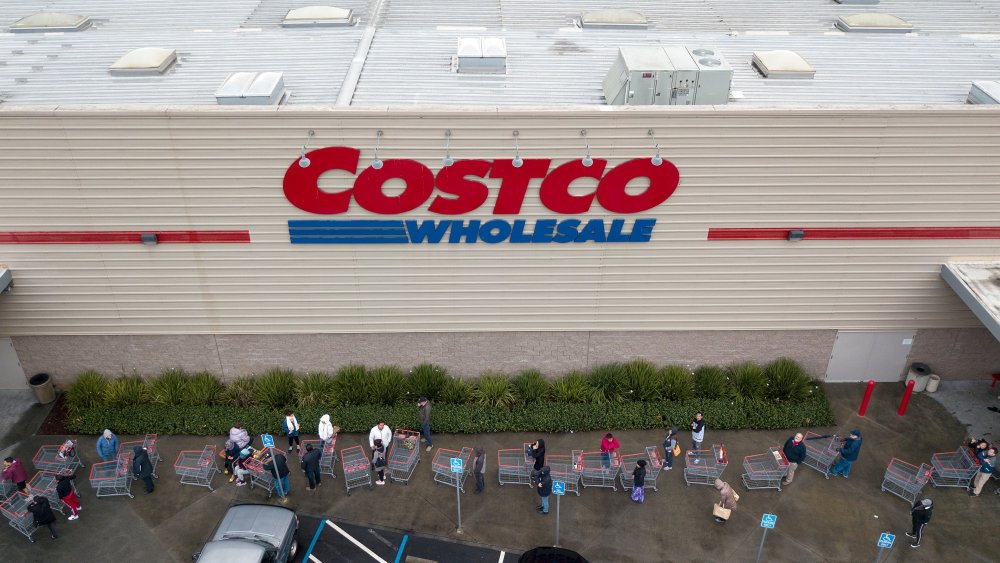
{"x": 858, "y": 233}
{"x": 122, "y": 237}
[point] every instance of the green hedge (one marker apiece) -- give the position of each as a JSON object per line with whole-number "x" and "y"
{"x": 721, "y": 414}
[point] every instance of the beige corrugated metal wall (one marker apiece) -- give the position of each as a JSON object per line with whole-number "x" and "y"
{"x": 214, "y": 168}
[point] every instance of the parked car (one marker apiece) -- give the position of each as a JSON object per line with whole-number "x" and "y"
{"x": 252, "y": 533}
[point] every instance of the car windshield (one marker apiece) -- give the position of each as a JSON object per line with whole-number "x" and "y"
{"x": 262, "y": 539}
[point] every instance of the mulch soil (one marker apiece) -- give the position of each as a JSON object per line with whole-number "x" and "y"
{"x": 55, "y": 423}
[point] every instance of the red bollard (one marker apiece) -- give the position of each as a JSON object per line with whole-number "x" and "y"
{"x": 868, "y": 397}
{"x": 906, "y": 397}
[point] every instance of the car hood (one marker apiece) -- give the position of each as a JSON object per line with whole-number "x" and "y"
{"x": 256, "y": 521}
{"x": 227, "y": 551}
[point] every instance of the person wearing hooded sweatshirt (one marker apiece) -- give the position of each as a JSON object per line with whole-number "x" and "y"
{"x": 727, "y": 497}
{"x": 920, "y": 515}
{"x": 537, "y": 451}
{"x": 479, "y": 469}
{"x": 64, "y": 488}
{"x": 239, "y": 436}
{"x": 987, "y": 463}
{"x": 639, "y": 481}
{"x": 14, "y": 472}
{"x": 142, "y": 467}
{"x": 107, "y": 446}
{"x": 669, "y": 443}
{"x": 41, "y": 511}
{"x": 848, "y": 454}
{"x": 325, "y": 430}
{"x": 544, "y": 489}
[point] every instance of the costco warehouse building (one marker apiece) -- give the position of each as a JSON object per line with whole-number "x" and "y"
{"x": 499, "y": 185}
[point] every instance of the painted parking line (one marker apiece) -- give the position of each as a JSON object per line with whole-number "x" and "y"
{"x": 402, "y": 547}
{"x": 360, "y": 545}
{"x": 502, "y": 555}
{"x": 308, "y": 555}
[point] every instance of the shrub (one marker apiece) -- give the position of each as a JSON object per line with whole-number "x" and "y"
{"x": 748, "y": 382}
{"x": 572, "y": 388}
{"x": 710, "y": 382}
{"x": 455, "y": 391}
{"x": 643, "y": 381}
{"x": 314, "y": 389}
{"x": 607, "y": 383}
{"x": 494, "y": 391}
{"x": 204, "y": 389}
{"x": 169, "y": 388}
{"x": 385, "y": 385}
{"x": 427, "y": 380}
{"x": 678, "y": 383}
{"x": 126, "y": 391}
{"x": 275, "y": 389}
{"x": 240, "y": 392}
{"x": 349, "y": 385}
{"x": 532, "y": 387}
{"x": 787, "y": 381}
{"x": 86, "y": 392}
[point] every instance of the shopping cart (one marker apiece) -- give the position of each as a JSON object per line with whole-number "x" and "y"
{"x": 441, "y": 467}
{"x": 764, "y": 471}
{"x": 44, "y": 484}
{"x": 197, "y": 467}
{"x": 821, "y": 452}
{"x": 953, "y": 469}
{"x": 404, "y": 455}
{"x": 511, "y": 467}
{"x": 112, "y": 478}
{"x": 125, "y": 452}
{"x": 599, "y": 469}
{"x": 6, "y": 489}
{"x": 357, "y": 468}
{"x": 328, "y": 461}
{"x": 905, "y": 480}
{"x": 49, "y": 458}
{"x": 565, "y": 468}
{"x": 15, "y": 508}
{"x": 259, "y": 477}
{"x": 703, "y": 467}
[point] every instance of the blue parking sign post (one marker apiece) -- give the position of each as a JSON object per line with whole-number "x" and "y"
{"x": 456, "y": 467}
{"x": 268, "y": 441}
{"x": 767, "y": 521}
{"x": 558, "y": 489}
{"x": 885, "y": 541}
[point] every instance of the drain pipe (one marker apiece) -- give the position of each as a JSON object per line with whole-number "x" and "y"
{"x": 358, "y": 63}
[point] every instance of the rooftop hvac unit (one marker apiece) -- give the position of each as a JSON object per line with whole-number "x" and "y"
{"x": 984, "y": 92}
{"x": 668, "y": 76}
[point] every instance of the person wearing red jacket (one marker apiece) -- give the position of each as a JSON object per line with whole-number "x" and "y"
{"x": 14, "y": 471}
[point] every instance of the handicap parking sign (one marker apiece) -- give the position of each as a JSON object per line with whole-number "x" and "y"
{"x": 768, "y": 521}
{"x": 268, "y": 440}
{"x": 886, "y": 539}
{"x": 456, "y": 465}
{"x": 558, "y": 488}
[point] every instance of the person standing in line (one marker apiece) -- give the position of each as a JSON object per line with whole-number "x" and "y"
{"x": 795, "y": 453}
{"x": 609, "y": 449}
{"x": 537, "y": 451}
{"x": 291, "y": 427}
{"x": 64, "y": 488}
{"x": 425, "y": 421}
{"x": 378, "y": 460}
{"x": 14, "y": 472}
{"x": 697, "y": 431}
{"x": 479, "y": 469}
{"x": 142, "y": 467}
{"x": 987, "y": 462}
{"x": 379, "y": 432}
{"x": 230, "y": 453}
{"x": 920, "y": 515}
{"x": 544, "y": 489}
{"x": 107, "y": 446}
{"x": 278, "y": 464}
{"x": 669, "y": 446}
{"x": 848, "y": 454}
{"x": 41, "y": 511}
{"x": 239, "y": 436}
{"x": 310, "y": 464}
{"x": 639, "y": 482}
{"x": 326, "y": 430}
{"x": 727, "y": 498}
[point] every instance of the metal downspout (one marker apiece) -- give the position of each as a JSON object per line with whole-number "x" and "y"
{"x": 360, "y": 56}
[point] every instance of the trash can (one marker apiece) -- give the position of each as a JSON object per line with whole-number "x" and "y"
{"x": 919, "y": 373}
{"x": 933, "y": 380}
{"x": 41, "y": 384}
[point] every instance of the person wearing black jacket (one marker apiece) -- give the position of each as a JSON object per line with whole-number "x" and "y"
{"x": 278, "y": 463}
{"x": 795, "y": 453}
{"x": 544, "y": 489}
{"x": 64, "y": 488}
{"x": 42, "y": 513}
{"x": 921, "y": 515}
{"x": 537, "y": 451}
{"x": 310, "y": 464}
{"x": 142, "y": 467}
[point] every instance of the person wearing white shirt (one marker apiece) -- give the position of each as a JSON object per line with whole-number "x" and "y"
{"x": 326, "y": 430}
{"x": 379, "y": 431}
